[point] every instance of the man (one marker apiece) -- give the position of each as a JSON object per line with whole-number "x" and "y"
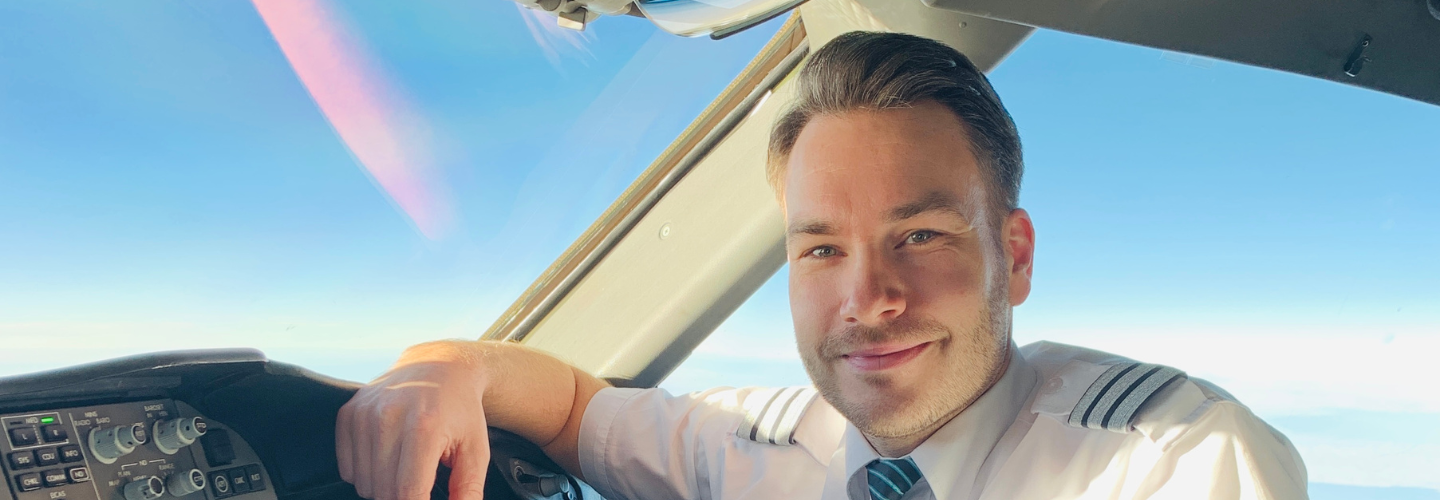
{"x": 898, "y": 171}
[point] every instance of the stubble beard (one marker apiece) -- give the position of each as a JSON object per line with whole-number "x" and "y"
{"x": 970, "y": 365}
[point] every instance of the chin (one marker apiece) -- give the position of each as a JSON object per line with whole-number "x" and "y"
{"x": 877, "y": 408}
{"x": 892, "y": 421}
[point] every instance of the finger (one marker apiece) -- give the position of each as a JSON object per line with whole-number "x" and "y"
{"x": 363, "y": 435}
{"x": 419, "y": 456}
{"x": 469, "y": 464}
{"x": 388, "y": 435}
{"x": 344, "y": 449}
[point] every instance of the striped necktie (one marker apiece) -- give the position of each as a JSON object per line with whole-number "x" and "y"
{"x": 889, "y": 479}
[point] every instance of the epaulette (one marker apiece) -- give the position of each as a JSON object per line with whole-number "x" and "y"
{"x": 771, "y": 415}
{"x": 1115, "y": 398}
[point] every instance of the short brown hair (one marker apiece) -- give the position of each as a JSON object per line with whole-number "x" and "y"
{"x": 872, "y": 71}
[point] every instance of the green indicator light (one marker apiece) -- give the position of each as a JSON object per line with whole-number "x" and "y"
{"x": 47, "y": 420}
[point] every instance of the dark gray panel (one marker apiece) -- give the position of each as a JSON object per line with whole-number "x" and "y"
{"x": 1316, "y": 38}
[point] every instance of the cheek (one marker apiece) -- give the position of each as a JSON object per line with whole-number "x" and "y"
{"x": 943, "y": 280}
{"x": 814, "y": 300}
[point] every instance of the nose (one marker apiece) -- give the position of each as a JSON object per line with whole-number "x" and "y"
{"x": 875, "y": 293}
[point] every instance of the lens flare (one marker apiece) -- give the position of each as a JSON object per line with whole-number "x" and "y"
{"x": 374, "y": 119}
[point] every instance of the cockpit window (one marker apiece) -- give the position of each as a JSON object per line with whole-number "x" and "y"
{"x": 1271, "y": 233}
{"x": 329, "y": 182}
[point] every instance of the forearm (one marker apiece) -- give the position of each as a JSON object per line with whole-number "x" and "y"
{"x": 531, "y": 394}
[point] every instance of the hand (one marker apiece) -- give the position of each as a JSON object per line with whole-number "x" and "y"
{"x": 425, "y": 410}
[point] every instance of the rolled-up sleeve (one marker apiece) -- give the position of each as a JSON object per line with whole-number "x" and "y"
{"x": 644, "y": 444}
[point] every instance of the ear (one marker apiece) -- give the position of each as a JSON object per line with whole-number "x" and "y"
{"x": 1019, "y": 242}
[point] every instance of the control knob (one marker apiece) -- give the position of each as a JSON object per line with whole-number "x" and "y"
{"x": 172, "y": 435}
{"x": 150, "y": 488}
{"x": 110, "y": 444}
{"x": 185, "y": 483}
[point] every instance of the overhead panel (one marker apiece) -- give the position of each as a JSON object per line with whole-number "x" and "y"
{"x": 1387, "y": 45}
{"x": 985, "y": 41}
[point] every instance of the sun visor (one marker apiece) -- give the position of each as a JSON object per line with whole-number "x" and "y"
{"x": 717, "y": 18}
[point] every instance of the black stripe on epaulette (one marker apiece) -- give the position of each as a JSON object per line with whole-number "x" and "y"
{"x": 776, "y": 420}
{"x": 1113, "y": 400}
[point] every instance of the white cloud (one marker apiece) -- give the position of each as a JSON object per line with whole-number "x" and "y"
{"x": 1287, "y": 370}
{"x": 1333, "y": 459}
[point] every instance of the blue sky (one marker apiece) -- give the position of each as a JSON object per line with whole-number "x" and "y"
{"x": 165, "y": 175}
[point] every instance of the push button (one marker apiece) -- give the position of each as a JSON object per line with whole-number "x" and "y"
{"x": 257, "y": 480}
{"x": 22, "y": 460}
{"x": 70, "y": 454}
{"x": 47, "y": 456}
{"x": 54, "y": 434}
{"x": 239, "y": 481}
{"x": 55, "y": 477}
{"x": 220, "y": 484}
{"x": 24, "y": 436}
{"x": 218, "y": 450}
{"x": 28, "y": 482}
{"x": 78, "y": 474}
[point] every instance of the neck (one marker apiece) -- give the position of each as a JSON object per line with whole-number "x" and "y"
{"x": 899, "y": 446}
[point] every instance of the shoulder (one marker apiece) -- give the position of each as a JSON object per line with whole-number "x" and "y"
{"x": 772, "y": 415}
{"x": 1158, "y": 419}
{"x": 1090, "y": 389}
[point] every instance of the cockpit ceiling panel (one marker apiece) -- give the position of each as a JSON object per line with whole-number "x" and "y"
{"x": 1385, "y": 45}
{"x": 985, "y": 41}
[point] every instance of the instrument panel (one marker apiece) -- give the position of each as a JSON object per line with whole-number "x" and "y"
{"x": 158, "y": 449}
{"x": 217, "y": 424}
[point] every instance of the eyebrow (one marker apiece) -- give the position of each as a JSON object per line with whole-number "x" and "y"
{"x": 811, "y": 226}
{"x": 934, "y": 202}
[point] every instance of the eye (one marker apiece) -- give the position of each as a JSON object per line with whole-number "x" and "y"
{"x": 919, "y": 237}
{"x": 823, "y": 252}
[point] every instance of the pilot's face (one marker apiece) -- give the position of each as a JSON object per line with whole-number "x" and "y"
{"x": 900, "y": 284}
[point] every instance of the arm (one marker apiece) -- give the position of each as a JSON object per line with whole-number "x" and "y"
{"x": 434, "y": 406}
{"x": 1227, "y": 452}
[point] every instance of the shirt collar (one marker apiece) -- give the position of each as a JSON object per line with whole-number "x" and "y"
{"x": 951, "y": 458}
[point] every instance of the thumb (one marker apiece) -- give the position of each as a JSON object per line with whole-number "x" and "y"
{"x": 468, "y": 467}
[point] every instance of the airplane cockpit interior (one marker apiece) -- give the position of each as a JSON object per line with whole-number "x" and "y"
{"x": 218, "y": 220}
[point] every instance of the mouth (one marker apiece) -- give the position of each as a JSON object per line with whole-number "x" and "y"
{"x": 883, "y": 357}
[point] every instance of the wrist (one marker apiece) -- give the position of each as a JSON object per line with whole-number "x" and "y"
{"x": 462, "y": 361}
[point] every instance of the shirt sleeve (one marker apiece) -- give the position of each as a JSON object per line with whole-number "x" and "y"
{"x": 642, "y": 444}
{"x": 1228, "y": 453}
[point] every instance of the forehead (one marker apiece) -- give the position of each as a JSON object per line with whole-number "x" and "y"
{"x": 864, "y": 162}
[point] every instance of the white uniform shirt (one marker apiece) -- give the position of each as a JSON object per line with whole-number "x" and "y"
{"x": 1017, "y": 441}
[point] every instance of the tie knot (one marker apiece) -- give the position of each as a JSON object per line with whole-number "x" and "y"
{"x": 890, "y": 478}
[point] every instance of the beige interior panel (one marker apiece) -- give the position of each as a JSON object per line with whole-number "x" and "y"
{"x": 718, "y": 232}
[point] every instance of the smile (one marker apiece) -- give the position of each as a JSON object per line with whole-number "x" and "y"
{"x": 884, "y": 357}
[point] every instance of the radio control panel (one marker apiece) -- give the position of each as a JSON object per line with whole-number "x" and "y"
{"x": 146, "y": 450}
